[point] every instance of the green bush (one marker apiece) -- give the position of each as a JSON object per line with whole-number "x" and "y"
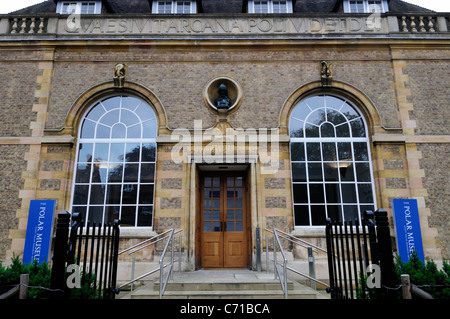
{"x": 426, "y": 276}
{"x": 40, "y": 275}
{"x": 40, "y": 278}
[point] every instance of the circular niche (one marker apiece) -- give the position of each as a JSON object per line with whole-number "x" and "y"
{"x": 211, "y": 93}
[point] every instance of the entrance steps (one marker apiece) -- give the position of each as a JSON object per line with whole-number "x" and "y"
{"x": 223, "y": 284}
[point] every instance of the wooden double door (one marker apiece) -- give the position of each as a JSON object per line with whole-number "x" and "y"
{"x": 224, "y": 222}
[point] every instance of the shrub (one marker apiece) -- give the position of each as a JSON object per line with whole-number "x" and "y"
{"x": 40, "y": 279}
{"x": 426, "y": 276}
{"x": 40, "y": 275}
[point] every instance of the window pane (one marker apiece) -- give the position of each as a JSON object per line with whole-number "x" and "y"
{"x": 357, "y": 128}
{"x": 315, "y": 172}
{"x": 363, "y": 208}
{"x": 85, "y": 152}
{"x": 300, "y": 193}
{"x": 346, "y": 172}
{"x": 333, "y": 194}
{"x": 335, "y": 117}
{"x": 344, "y": 151}
{"x": 117, "y": 152}
{"x": 147, "y": 173}
{"x": 363, "y": 172}
{"x": 348, "y": 193}
{"x": 97, "y": 194}
{"x": 146, "y": 194}
{"x": 148, "y": 152}
{"x": 298, "y": 172}
{"x": 296, "y": 128}
{"x": 343, "y": 130}
{"x": 128, "y": 118}
{"x": 327, "y": 130}
{"x": 82, "y": 210}
{"x": 128, "y": 216}
{"x": 318, "y": 216}
{"x": 88, "y": 130}
{"x": 129, "y": 195}
{"x": 131, "y": 173}
{"x": 360, "y": 150}
{"x": 313, "y": 151}
{"x": 149, "y": 128}
{"x": 130, "y": 103}
{"x": 99, "y": 173}
{"x": 301, "y": 215}
{"x": 111, "y": 103}
{"x": 297, "y": 152}
{"x": 351, "y": 212}
{"x": 329, "y": 151}
{"x": 111, "y": 213}
{"x": 331, "y": 172}
{"x": 349, "y": 112}
{"x": 115, "y": 173}
{"x": 80, "y": 195}
{"x": 114, "y": 194}
{"x": 95, "y": 214}
{"x": 261, "y": 6}
{"x": 365, "y": 193}
{"x": 317, "y": 117}
{"x": 101, "y": 152}
{"x": 311, "y": 130}
{"x": 83, "y": 174}
{"x": 316, "y": 193}
{"x": 145, "y": 216}
{"x": 334, "y": 212}
{"x": 132, "y": 152}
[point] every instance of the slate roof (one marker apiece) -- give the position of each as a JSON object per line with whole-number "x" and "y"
{"x": 221, "y": 6}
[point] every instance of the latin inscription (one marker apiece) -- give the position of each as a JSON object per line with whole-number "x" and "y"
{"x": 222, "y": 26}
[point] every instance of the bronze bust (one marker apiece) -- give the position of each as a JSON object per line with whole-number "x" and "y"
{"x": 223, "y": 102}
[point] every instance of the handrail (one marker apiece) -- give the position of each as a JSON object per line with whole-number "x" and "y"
{"x": 151, "y": 241}
{"x": 283, "y": 281}
{"x": 143, "y": 242}
{"x": 276, "y": 235}
{"x": 298, "y": 240}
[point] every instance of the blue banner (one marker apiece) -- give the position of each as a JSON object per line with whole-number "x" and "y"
{"x": 39, "y": 231}
{"x": 407, "y": 226}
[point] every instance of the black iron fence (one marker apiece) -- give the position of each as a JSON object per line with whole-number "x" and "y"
{"x": 85, "y": 258}
{"x": 360, "y": 258}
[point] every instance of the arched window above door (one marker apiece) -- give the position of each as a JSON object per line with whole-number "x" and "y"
{"x": 330, "y": 161}
{"x": 115, "y": 168}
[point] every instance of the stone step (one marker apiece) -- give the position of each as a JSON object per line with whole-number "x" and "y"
{"x": 223, "y": 284}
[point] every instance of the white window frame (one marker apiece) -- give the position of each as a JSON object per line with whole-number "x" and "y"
{"x": 76, "y": 7}
{"x": 342, "y": 203}
{"x": 174, "y": 7}
{"x": 368, "y": 6}
{"x": 95, "y": 142}
{"x": 270, "y": 6}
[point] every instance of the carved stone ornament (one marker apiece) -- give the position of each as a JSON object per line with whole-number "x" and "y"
{"x": 120, "y": 73}
{"x": 326, "y": 73}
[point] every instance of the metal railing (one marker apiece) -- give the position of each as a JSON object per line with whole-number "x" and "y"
{"x": 170, "y": 236}
{"x": 282, "y": 275}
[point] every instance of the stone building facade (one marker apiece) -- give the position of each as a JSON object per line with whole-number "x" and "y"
{"x": 390, "y": 67}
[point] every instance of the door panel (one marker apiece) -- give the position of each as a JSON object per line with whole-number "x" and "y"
{"x": 224, "y": 221}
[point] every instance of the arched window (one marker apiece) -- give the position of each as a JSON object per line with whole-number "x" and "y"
{"x": 330, "y": 161}
{"x": 115, "y": 167}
